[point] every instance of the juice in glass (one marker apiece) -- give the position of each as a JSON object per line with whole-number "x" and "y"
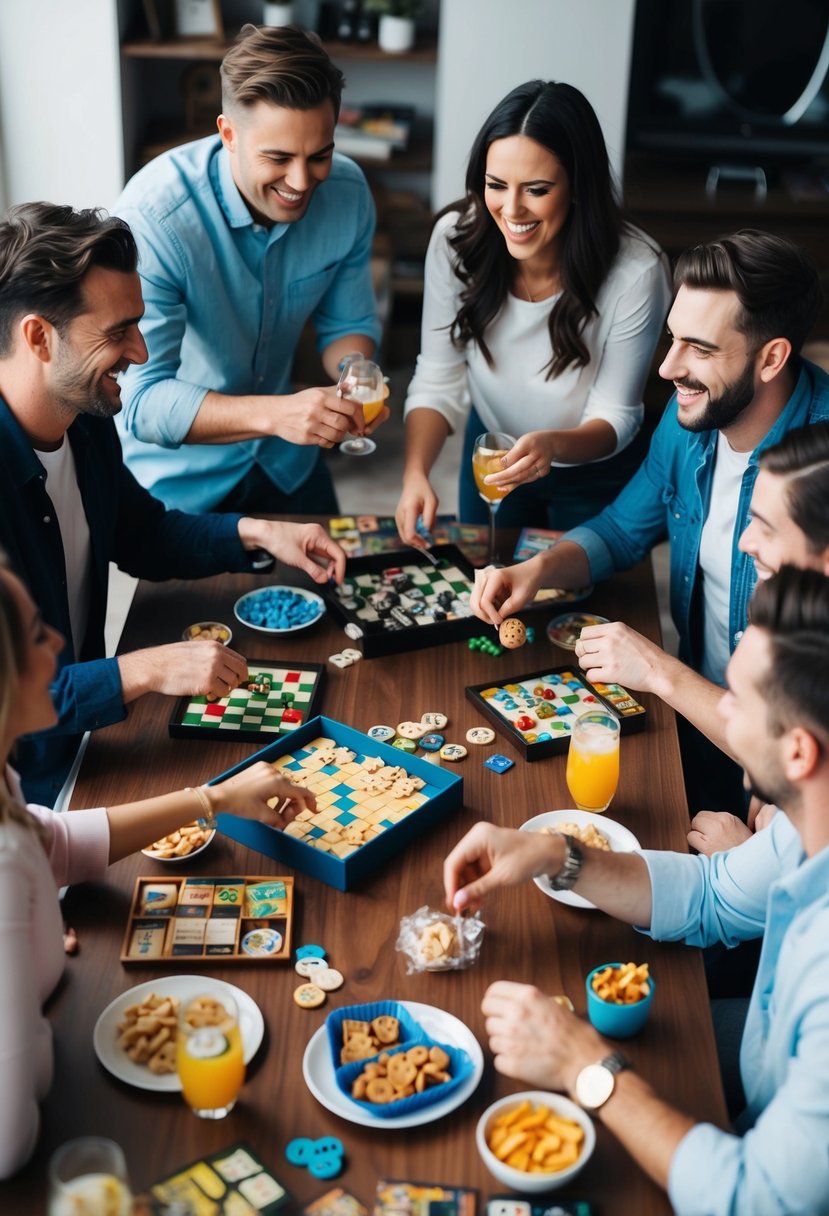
{"x": 593, "y": 761}
{"x": 364, "y": 394}
{"x": 484, "y": 462}
{"x": 209, "y": 1058}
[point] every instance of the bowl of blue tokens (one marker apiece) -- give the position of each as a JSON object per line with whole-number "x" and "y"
{"x": 279, "y": 609}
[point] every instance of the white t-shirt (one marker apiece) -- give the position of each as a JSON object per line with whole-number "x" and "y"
{"x": 62, "y": 488}
{"x": 514, "y": 396}
{"x": 715, "y": 557}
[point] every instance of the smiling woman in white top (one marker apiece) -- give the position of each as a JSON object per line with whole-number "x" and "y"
{"x": 41, "y": 850}
{"x": 541, "y": 314}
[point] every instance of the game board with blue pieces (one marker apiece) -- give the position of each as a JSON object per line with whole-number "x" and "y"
{"x": 401, "y": 597}
{"x": 358, "y": 796}
{"x": 275, "y": 700}
{"x": 538, "y": 710}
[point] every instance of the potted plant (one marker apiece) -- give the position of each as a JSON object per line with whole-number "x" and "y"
{"x": 396, "y": 30}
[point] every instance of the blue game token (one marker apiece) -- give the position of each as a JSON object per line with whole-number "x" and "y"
{"x": 432, "y": 742}
{"x": 327, "y": 1166}
{"x": 498, "y": 763}
{"x": 328, "y": 1144}
{"x": 310, "y": 952}
{"x": 299, "y": 1151}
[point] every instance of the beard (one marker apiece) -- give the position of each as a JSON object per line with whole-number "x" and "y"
{"x": 773, "y": 788}
{"x": 80, "y": 393}
{"x": 721, "y": 412}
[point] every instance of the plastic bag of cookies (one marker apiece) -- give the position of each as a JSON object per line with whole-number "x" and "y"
{"x": 436, "y": 941}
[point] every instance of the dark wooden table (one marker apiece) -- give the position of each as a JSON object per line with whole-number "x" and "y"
{"x": 528, "y": 938}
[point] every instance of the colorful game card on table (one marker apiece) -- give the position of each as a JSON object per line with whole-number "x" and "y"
{"x": 277, "y": 698}
{"x": 227, "y": 1183}
{"x": 423, "y": 1199}
{"x": 536, "y": 711}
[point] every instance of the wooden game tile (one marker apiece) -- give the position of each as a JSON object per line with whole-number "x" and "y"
{"x": 325, "y": 799}
{"x": 333, "y": 836}
{"x": 303, "y": 815}
{"x": 350, "y": 769}
{"x": 344, "y": 849}
{"x": 299, "y": 830}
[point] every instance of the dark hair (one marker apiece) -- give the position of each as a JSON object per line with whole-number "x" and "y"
{"x": 793, "y": 608}
{"x": 284, "y": 65}
{"x": 802, "y": 458}
{"x": 775, "y": 281}
{"x": 560, "y": 118}
{"x": 46, "y": 252}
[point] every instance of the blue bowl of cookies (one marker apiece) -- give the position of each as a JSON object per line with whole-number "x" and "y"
{"x": 386, "y": 1064}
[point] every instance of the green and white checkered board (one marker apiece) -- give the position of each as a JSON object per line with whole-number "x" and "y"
{"x": 358, "y": 589}
{"x": 244, "y": 710}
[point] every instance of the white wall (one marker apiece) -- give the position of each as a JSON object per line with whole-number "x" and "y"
{"x": 60, "y": 101}
{"x": 487, "y": 47}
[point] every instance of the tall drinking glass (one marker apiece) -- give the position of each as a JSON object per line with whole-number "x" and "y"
{"x": 486, "y": 459}
{"x": 88, "y": 1177}
{"x": 209, "y": 1058}
{"x": 593, "y": 760}
{"x": 361, "y": 380}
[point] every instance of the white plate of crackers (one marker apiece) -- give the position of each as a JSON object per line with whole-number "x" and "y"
{"x": 180, "y": 845}
{"x": 597, "y": 831}
{"x": 146, "y": 1000}
{"x": 438, "y": 1026}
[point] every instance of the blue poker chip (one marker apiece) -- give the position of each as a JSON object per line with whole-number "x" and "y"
{"x": 310, "y": 952}
{"x": 498, "y": 763}
{"x": 329, "y": 1165}
{"x": 432, "y": 742}
{"x": 327, "y": 1145}
{"x": 299, "y": 1151}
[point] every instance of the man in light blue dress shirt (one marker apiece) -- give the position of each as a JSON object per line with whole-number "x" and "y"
{"x": 245, "y": 236}
{"x": 776, "y": 1158}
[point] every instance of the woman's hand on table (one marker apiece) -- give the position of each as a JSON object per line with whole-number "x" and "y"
{"x": 536, "y": 1040}
{"x": 489, "y": 857}
{"x": 249, "y": 793}
{"x": 418, "y": 500}
{"x": 615, "y": 653}
{"x": 307, "y": 547}
{"x": 500, "y": 592}
{"x": 528, "y": 460}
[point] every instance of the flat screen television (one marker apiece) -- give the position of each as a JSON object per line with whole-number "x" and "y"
{"x": 731, "y": 81}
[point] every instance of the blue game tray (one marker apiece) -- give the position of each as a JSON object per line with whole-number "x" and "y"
{"x": 442, "y": 791}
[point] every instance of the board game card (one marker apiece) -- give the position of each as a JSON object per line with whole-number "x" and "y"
{"x": 511, "y": 1205}
{"x": 225, "y": 1183}
{"x": 335, "y": 1202}
{"x": 423, "y": 1199}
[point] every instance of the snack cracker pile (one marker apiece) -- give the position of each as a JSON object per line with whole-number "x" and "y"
{"x": 624, "y": 985}
{"x": 533, "y": 1139}
{"x": 147, "y": 1033}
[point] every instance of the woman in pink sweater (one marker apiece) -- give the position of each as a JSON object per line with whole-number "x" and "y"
{"x": 40, "y": 851}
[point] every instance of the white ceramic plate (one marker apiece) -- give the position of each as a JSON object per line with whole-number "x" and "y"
{"x": 318, "y": 1071}
{"x": 242, "y": 605}
{"x": 621, "y": 841}
{"x": 116, "y": 1061}
{"x": 175, "y": 861}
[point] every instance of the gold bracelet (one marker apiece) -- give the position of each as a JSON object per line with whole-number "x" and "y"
{"x": 207, "y": 819}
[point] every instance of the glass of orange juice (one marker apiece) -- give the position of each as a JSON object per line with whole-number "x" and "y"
{"x": 593, "y": 760}
{"x": 361, "y": 380}
{"x": 88, "y": 1176}
{"x": 209, "y": 1058}
{"x": 486, "y": 458}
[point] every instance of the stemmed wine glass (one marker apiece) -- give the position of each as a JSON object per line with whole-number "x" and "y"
{"x": 361, "y": 380}
{"x": 486, "y": 459}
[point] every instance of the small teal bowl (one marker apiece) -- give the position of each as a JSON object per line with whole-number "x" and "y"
{"x": 617, "y": 1021}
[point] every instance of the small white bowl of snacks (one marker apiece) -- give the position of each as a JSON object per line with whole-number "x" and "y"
{"x": 535, "y": 1141}
{"x": 208, "y": 631}
{"x": 182, "y": 844}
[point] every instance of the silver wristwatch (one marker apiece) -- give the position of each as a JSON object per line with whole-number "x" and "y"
{"x": 596, "y": 1082}
{"x": 571, "y": 867}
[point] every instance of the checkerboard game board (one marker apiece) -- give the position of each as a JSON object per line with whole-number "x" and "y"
{"x": 279, "y": 698}
{"x": 358, "y": 796}
{"x": 537, "y": 711}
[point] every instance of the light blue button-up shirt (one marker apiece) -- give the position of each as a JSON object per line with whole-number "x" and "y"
{"x": 226, "y": 300}
{"x": 779, "y": 1164}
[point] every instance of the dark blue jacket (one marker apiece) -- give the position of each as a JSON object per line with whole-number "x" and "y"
{"x": 126, "y": 526}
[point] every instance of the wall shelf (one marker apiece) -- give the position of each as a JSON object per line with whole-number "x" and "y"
{"x": 216, "y": 48}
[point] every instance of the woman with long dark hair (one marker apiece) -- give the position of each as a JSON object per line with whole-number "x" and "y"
{"x": 541, "y": 314}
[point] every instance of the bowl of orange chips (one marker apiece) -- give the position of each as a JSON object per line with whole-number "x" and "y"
{"x": 619, "y": 997}
{"x": 535, "y": 1141}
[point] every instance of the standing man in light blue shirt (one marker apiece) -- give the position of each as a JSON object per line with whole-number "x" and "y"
{"x": 776, "y": 1159}
{"x": 243, "y": 237}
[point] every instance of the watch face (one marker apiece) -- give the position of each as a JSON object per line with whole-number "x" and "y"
{"x": 594, "y": 1085}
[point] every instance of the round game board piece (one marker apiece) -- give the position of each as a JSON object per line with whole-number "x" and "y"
{"x": 453, "y": 752}
{"x": 381, "y": 733}
{"x": 310, "y": 951}
{"x": 308, "y": 967}
{"x": 328, "y": 1144}
{"x": 512, "y": 633}
{"x": 432, "y": 742}
{"x": 565, "y": 630}
{"x": 260, "y": 943}
{"x": 309, "y": 996}
{"x": 330, "y": 1165}
{"x": 299, "y": 1150}
{"x": 329, "y": 979}
{"x": 411, "y": 730}
{"x": 405, "y": 745}
{"x": 480, "y": 735}
{"x": 434, "y": 720}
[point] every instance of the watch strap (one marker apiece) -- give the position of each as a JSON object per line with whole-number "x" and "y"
{"x": 565, "y": 879}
